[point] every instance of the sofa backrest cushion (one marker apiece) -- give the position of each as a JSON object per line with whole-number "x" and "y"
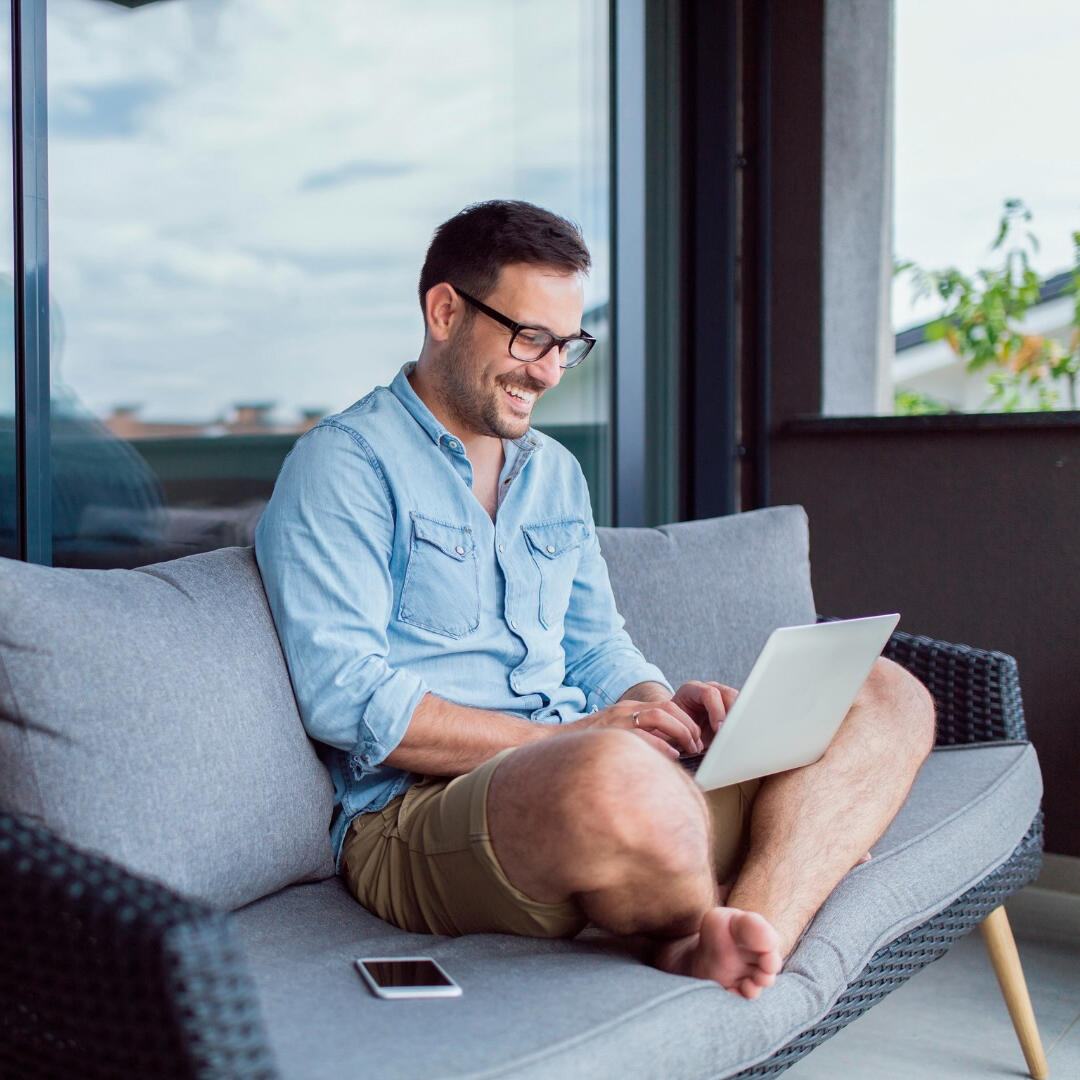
{"x": 148, "y": 715}
{"x": 700, "y": 598}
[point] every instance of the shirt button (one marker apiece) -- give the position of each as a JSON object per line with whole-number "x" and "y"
{"x": 513, "y": 624}
{"x": 460, "y": 550}
{"x": 452, "y": 444}
{"x": 550, "y": 550}
{"x": 502, "y": 547}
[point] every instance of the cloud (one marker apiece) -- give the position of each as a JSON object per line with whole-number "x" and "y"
{"x": 254, "y": 204}
{"x": 353, "y": 171}
{"x": 106, "y": 110}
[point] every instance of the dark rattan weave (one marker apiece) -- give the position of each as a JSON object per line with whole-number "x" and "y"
{"x": 103, "y": 974}
{"x": 977, "y": 693}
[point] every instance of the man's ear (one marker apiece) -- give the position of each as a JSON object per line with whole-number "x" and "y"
{"x": 442, "y": 308}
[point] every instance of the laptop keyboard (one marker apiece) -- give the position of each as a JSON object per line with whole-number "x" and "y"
{"x": 690, "y": 762}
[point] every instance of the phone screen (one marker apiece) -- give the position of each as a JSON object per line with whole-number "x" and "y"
{"x": 387, "y": 973}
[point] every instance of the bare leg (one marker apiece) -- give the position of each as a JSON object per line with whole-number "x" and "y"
{"x": 811, "y": 825}
{"x": 601, "y": 818}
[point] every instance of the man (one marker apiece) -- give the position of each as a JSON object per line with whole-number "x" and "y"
{"x": 502, "y": 754}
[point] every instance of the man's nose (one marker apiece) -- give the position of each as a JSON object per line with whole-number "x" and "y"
{"x": 547, "y": 369}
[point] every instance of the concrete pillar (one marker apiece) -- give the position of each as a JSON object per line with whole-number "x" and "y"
{"x": 857, "y": 339}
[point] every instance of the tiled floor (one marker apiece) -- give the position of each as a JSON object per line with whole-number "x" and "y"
{"x": 950, "y": 1020}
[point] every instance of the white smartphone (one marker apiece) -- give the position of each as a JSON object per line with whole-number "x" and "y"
{"x": 396, "y": 977}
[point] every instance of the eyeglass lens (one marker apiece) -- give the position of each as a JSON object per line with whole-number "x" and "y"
{"x": 529, "y": 345}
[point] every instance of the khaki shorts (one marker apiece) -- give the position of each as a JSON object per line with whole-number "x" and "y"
{"x": 425, "y": 862}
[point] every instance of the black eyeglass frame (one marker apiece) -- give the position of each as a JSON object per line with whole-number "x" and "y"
{"x": 515, "y": 328}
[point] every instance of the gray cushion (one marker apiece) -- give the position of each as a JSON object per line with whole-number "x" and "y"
{"x": 148, "y": 715}
{"x": 588, "y": 1007}
{"x": 740, "y": 576}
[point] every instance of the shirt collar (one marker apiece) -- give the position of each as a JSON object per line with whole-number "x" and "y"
{"x": 402, "y": 389}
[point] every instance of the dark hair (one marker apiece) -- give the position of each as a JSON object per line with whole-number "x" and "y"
{"x": 471, "y": 249}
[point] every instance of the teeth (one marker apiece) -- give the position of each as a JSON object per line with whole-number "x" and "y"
{"x": 521, "y": 395}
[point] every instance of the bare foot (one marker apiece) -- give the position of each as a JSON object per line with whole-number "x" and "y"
{"x": 737, "y": 949}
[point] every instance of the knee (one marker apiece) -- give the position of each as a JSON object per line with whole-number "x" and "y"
{"x": 905, "y": 705}
{"x": 645, "y": 807}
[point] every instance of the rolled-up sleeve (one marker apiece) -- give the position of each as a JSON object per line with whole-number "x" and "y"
{"x": 600, "y": 657}
{"x": 324, "y": 546}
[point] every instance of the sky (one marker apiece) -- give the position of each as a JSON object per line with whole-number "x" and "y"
{"x": 986, "y": 110}
{"x": 241, "y": 191}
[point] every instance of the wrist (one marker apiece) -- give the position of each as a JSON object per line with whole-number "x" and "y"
{"x": 530, "y": 731}
{"x": 647, "y": 691}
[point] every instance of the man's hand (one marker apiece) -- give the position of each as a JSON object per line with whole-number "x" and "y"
{"x": 707, "y": 703}
{"x": 664, "y": 725}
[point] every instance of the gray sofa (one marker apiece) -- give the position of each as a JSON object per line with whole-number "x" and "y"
{"x": 167, "y": 898}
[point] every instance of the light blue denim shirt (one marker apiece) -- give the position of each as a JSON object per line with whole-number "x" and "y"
{"x": 387, "y": 580}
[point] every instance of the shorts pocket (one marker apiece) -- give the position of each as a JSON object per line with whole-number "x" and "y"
{"x": 441, "y": 591}
{"x": 556, "y": 550}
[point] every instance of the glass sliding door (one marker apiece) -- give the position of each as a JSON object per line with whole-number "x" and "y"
{"x": 9, "y": 488}
{"x": 241, "y": 195}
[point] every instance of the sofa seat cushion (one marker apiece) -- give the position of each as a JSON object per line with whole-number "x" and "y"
{"x": 588, "y": 1007}
{"x": 700, "y": 598}
{"x": 148, "y": 715}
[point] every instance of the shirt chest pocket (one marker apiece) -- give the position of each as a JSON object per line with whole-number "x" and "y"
{"x": 556, "y": 550}
{"x": 441, "y": 591}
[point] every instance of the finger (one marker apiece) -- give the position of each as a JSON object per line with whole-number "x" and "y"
{"x": 684, "y": 717}
{"x": 715, "y": 705}
{"x": 707, "y": 699}
{"x": 657, "y": 743}
{"x": 675, "y": 724}
{"x": 670, "y": 721}
{"x": 728, "y": 693}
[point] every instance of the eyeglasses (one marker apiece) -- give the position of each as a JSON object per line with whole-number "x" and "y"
{"x": 529, "y": 343}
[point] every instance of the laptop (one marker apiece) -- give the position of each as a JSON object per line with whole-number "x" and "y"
{"x": 793, "y": 701}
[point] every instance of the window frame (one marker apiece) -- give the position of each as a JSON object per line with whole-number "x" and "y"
{"x": 33, "y": 449}
{"x": 33, "y": 467}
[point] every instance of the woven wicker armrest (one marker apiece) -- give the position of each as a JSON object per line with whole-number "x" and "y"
{"x": 104, "y": 973}
{"x": 977, "y": 692}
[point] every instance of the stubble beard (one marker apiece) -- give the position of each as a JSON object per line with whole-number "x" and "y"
{"x": 476, "y": 406}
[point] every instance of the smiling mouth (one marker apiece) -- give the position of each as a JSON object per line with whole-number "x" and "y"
{"x": 521, "y": 400}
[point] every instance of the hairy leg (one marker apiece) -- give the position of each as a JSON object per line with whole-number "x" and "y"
{"x": 811, "y": 825}
{"x": 602, "y": 818}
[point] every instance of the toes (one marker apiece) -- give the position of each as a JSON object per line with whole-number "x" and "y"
{"x": 737, "y": 949}
{"x": 770, "y": 964}
{"x": 750, "y": 986}
{"x": 753, "y": 933}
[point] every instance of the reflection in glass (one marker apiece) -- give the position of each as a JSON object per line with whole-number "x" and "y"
{"x": 9, "y": 546}
{"x": 241, "y": 195}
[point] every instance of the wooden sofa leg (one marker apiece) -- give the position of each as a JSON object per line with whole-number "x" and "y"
{"x": 1000, "y": 944}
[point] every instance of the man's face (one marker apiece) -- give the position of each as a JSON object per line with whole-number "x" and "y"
{"x": 486, "y": 389}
